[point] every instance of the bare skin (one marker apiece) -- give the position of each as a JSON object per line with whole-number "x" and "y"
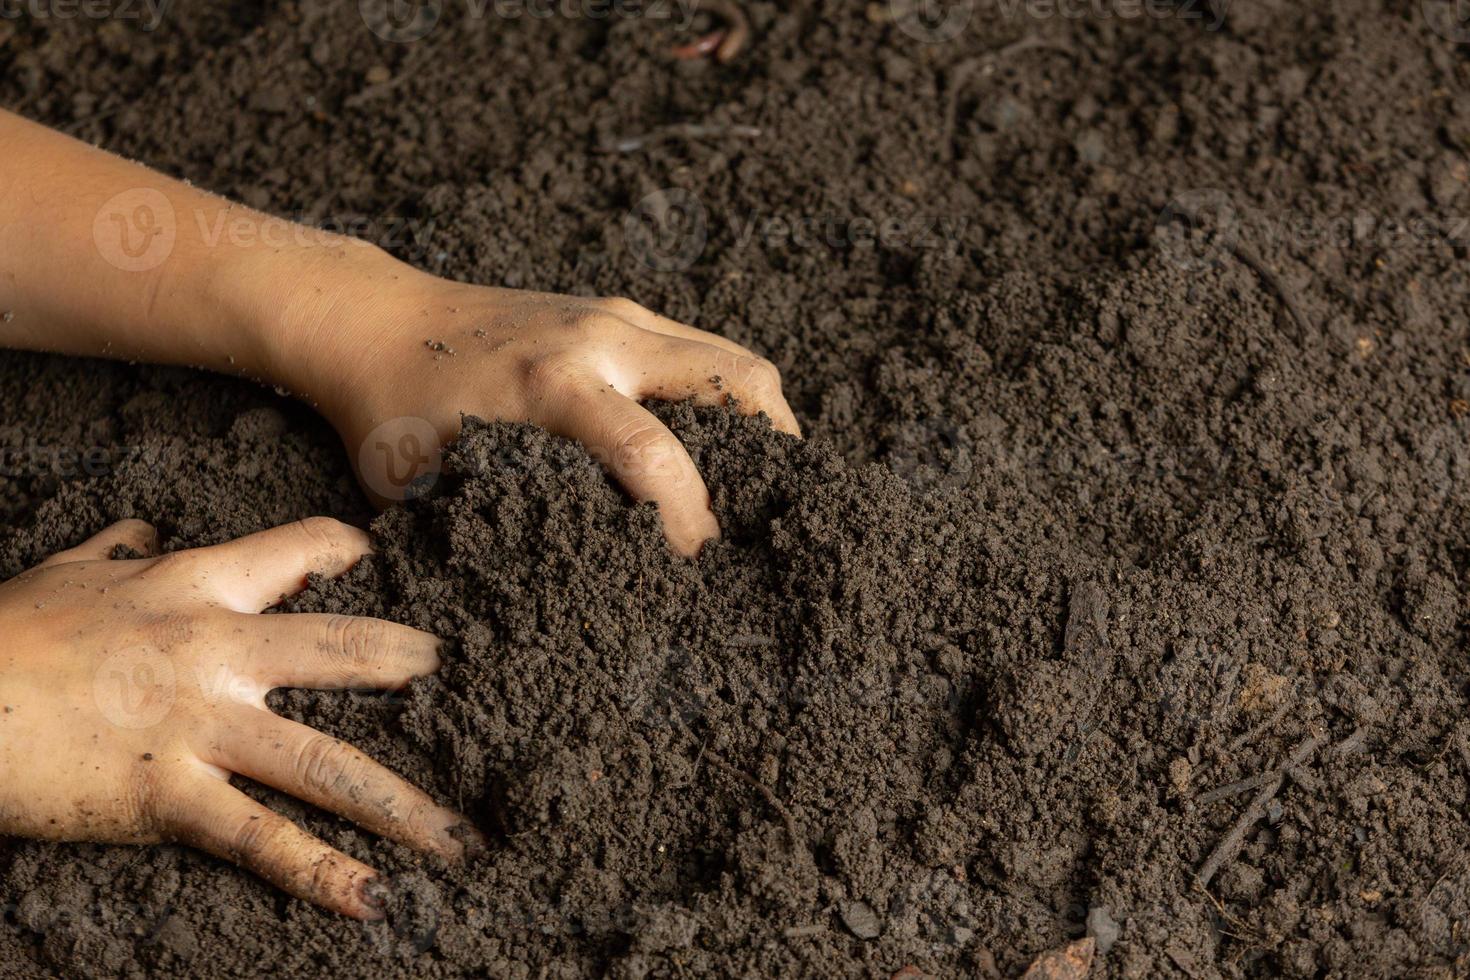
{"x": 102, "y": 257}
{"x": 131, "y": 690}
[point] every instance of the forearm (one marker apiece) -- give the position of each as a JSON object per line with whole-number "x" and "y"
{"x": 103, "y": 257}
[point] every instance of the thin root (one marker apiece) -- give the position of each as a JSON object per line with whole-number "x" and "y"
{"x": 677, "y": 131}
{"x": 984, "y": 64}
{"x": 1234, "y": 838}
{"x": 765, "y": 791}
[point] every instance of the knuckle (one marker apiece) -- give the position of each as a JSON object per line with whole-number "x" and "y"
{"x": 324, "y": 532}
{"x": 324, "y": 877}
{"x": 175, "y": 564}
{"x": 323, "y": 764}
{"x": 550, "y": 374}
{"x": 767, "y": 372}
{"x": 623, "y": 307}
{"x": 133, "y": 527}
{"x": 251, "y": 838}
{"x": 359, "y": 644}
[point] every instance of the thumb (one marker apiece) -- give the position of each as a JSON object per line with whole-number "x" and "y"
{"x": 133, "y": 533}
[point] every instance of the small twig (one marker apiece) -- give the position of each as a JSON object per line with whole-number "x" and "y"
{"x": 985, "y": 64}
{"x": 1251, "y": 782}
{"x": 1264, "y": 726}
{"x": 684, "y": 131}
{"x": 761, "y": 788}
{"x": 798, "y": 932}
{"x": 1275, "y": 283}
{"x": 725, "y": 44}
{"x": 1234, "y": 839}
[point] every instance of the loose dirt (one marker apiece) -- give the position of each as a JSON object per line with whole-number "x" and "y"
{"x": 1118, "y": 592}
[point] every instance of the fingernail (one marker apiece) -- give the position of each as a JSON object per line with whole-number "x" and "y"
{"x": 468, "y": 838}
{"x": 373, "y": 893}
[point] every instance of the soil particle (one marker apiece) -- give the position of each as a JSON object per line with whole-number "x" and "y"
{"x": 1093, "y": 521}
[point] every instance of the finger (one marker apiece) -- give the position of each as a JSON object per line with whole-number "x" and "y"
{"x": 642, "y": 455}
{"x": 335, "y": 776}
{"x": 319, "y": 650}
{"x": 641, "y": 316}
{"x": 131, "y": 533}
{"x": 216, "y": 817}
{"x": 711, "y": 376}
{"x": 255, "y": 572}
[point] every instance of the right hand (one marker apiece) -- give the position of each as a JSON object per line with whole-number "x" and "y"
{"x": 575, "y": 366}
{"x": 131, "y": 690}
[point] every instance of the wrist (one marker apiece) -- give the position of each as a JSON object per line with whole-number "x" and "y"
{"x": 318, "y": 314}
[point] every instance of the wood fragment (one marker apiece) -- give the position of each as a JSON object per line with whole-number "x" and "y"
{"x": 1234, "y": 838}
{"x": 1087, "y": 621}
{"x": 765, "y": 791}
{"x": 1264, "y": 726}
{"x": 676, "y": 131}
{"x": 1072, "y": 962}
{"x": 1297, "y": 757}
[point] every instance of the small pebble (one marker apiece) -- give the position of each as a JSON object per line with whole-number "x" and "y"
{"x": 861, "y": 920}
{"x": 1102, "y": 927}
{"x": 378, "y": 74}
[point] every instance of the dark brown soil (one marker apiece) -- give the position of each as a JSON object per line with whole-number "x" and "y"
{"x": 1096, "y": 518}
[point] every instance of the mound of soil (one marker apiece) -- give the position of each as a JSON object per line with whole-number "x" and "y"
{"x": 1119, "y": 590}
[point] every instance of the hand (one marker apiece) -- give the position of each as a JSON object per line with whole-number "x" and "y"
{"x": 395, "y": 369}
{"x": 130, "y": 690}
{"x": 169, "y": 273}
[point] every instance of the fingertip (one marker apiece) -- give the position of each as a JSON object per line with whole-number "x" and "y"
{"x": 463, "y": 841}
{"x": 429, "y": 653}
{"x": 369, "y": 900}
{"x": 688, "y": 536}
